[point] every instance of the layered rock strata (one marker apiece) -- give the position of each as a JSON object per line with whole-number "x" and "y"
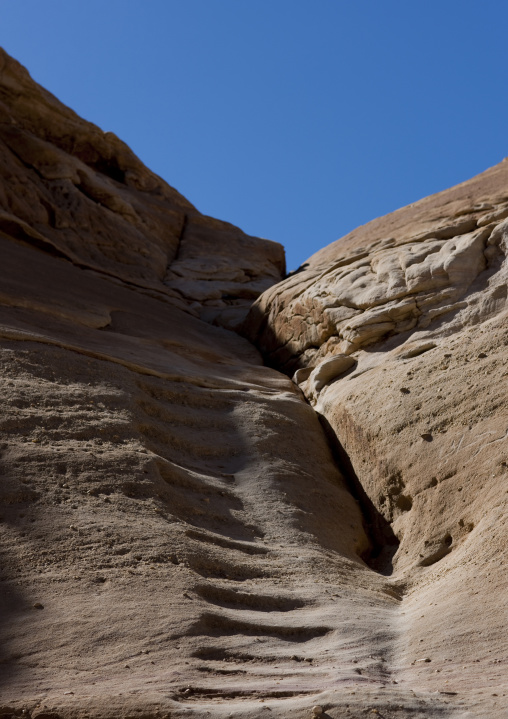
{"x": 179, "y": 536}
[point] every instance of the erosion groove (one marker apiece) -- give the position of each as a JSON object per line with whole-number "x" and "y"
{"x": 213, "y": 624}
{"x": 225, "y": 597}
{"x": 246, "y": 547}
{"x": 383, "y": 543}
{"x": 197, "y": 693}
{"x": 188, "y": 532}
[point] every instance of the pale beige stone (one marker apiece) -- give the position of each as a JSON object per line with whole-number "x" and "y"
{"x": 330, "y": 369}
{"x": 183, "y": 535}
{"x": 421, "y": 420}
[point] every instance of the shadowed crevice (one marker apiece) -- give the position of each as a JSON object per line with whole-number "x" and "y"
{"x": 383, "y": 542}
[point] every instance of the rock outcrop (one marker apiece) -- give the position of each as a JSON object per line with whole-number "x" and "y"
{"x": 397, "y": 335}
{"x": 183, "y": 533}
{"x": 80, "y": 193}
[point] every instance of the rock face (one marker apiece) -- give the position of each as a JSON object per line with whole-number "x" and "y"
{"x": 80, "y": 193}
{"x": 399, "y": 274}
{"x": 398, "y": 335}
{"x": 181, "y": 535}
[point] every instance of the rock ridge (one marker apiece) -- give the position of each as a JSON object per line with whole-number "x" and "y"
{"x": 78, "y": 191}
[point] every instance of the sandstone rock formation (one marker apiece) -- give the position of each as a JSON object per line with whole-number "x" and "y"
{"x": 398, "y": 335}
{"x": 82, "y": 194}
{"x": 183, "y": 534}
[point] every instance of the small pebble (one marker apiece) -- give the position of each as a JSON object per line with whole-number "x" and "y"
{"x": 317, "y": 711}
{"x": 38, "y": 605}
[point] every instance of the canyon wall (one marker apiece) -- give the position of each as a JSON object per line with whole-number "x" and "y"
{"x": 397, "y": 336}
{"x": 188, "y": 532}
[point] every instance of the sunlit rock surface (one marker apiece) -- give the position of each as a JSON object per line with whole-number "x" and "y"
{"x": 397, "y": 335}
{"x": 183, "y": 534}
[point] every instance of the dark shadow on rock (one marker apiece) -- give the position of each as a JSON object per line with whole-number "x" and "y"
{"x": 384, "y": 543}
{"x": 301, "y": 268}
{"x": 13, "y": 603}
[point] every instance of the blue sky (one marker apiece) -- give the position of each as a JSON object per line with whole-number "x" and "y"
{"x": 295, "y": 120}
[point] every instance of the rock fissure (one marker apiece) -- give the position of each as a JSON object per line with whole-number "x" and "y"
{"x": 383, "y": 543}
{"x": 180, "y": 240}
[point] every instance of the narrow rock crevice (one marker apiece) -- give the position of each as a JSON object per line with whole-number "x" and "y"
{"x": 180, "y": 240}
{"x": 383, "y": 541}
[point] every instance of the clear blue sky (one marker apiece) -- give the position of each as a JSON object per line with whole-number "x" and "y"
{"x": 295, "y": 119}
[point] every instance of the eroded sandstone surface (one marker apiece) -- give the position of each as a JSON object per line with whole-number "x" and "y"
{"x": 186, "y": 532}
{"x": 397, "y": 335}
